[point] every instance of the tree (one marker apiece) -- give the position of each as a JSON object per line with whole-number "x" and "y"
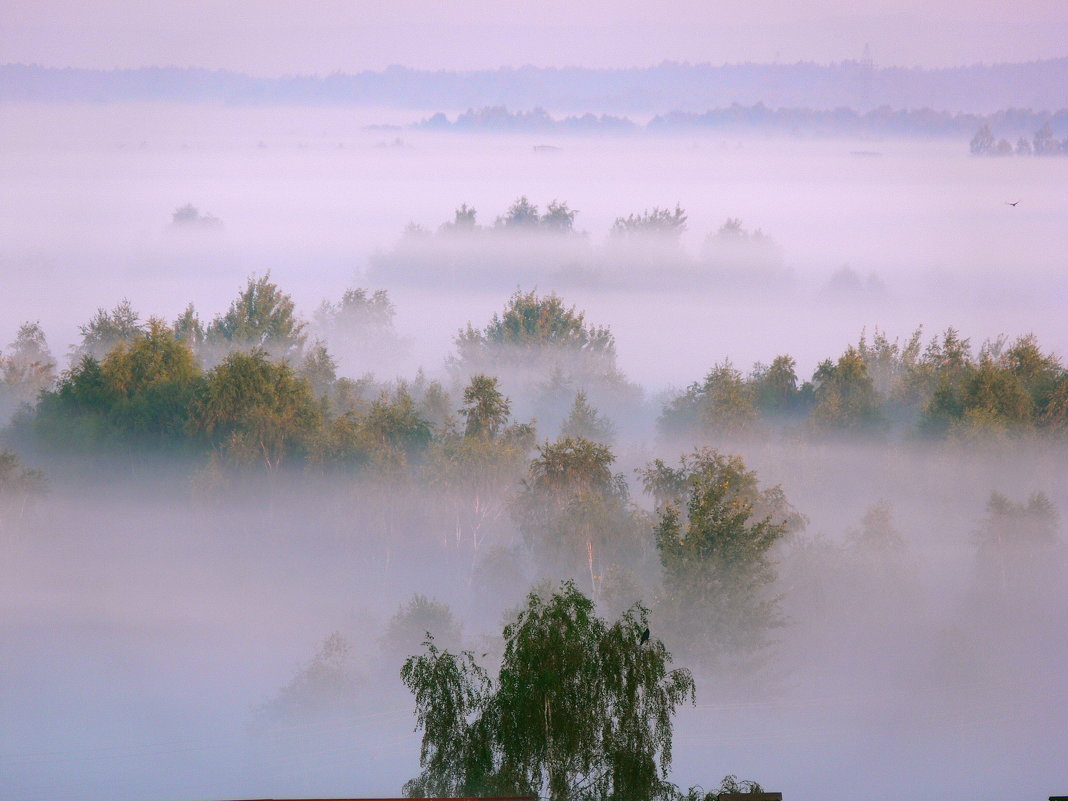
{"x": 573, "y": 511}
{"x": 537, "y": 337}
{"x": 846, "y": 399}
{"x": 411, "y": 623}
{"x": 722, "y": 404}
{"x": 485, "y": 408}
{"x": 463, "y": 221}
{"x": 261, "y": 318}
{"x": 476, "y": 470}
{"x": 107, "y": 329}
{"x": 775, "y": 388}
{"x": 326, "y": 687}
{"x": 152, "y": 381}
{"x": 520, "y": 215}
{"x": 586, "y": 422}
{"x": 715, "y": 532}
{"x": 18, "y": 485}
{"x": 982, "y": 143}
{"x": 255, "y": 411}
{"x": 580, "y": 709}
{"x": 26, "y": 370}
{"x": 530, "y": 321}
{"x": 558, "y": 218}
{"x": 657, "y": 223}
{"x": 1013, "y": 543}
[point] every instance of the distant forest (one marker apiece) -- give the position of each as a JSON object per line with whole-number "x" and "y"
{"x": 882, "y": 121}
{"x": 977, "y": 89}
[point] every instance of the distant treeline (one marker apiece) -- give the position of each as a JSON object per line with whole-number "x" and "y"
{"x": 684, "y": 87}
{"x": 758, "y": 118}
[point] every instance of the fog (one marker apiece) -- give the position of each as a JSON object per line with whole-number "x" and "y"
{"x": 154, "y": 611}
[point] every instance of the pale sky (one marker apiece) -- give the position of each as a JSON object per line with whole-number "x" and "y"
{"x": 279, "y": 37}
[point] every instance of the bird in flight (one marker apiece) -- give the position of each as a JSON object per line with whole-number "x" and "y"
{"x": 1012, "y": 203}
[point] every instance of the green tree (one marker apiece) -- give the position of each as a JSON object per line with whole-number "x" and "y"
{"x": 362, "y": 323}
{"x": 475, "y": 471}
{"x": 531, "y": 322}
{"x": 152, "y": 381}
{"x": 27, "y": 368}
{"x": 580, "y": 709}
{"x": 463, "y": 221}
{"x": 658, "y": 223}
{"x": 107, "y": 329}
{"x": 255, "y": 411}
{"x": 583, "y": 421}
{"x": 775, "y": 387}
{"x": 846, "y": 398}
{"x": 485, "y": 408}
{"x": 261, "y": 318}
{"x": 520, "y": 215}
{"x": 574, "y": 512}
{"x": 558, "y": 218}
{"x": 715, "y": 532}
{"x": 722, "y": 404}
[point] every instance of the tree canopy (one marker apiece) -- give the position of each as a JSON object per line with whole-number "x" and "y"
{"x": 580, "y": 709}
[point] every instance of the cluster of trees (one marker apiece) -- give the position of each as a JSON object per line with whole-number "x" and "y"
{"x": 942, "y": 390}
{"x": 1043, "y": 143}
{"x": 535, "y": 243}
{"x": 500, "y": 119}
{"x": 841, "y": 120}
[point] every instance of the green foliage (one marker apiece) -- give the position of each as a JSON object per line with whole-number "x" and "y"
{"x": 729, "y": 785}
{"x": 140, "y": 394}
{"x": 362, "y": 321}
{"x": 658, "y": 222}
{"x": 463, "y": 221}
{"x": 107, "y": 329}
{"x": 775, "y": 387}
{"x": 715, "y": 553}
{"x": 485, "y": 408}
{"x": 585, "y": 422}
{"x": 319, "y": 369}
{"x": 26, "y": 369}
{"x": 530, "y": 321}
{"x": 411, "y": 624}
{"x": 580, "y": 709}
{"x": 846, "y": 399}
{"x": 261, "y": 318}
{"x": 558, "y": 218}
{"x": 574, "y": 512}
{"x": 722, "y": 404}
{"x": 475, "y": 471}
{"x": 254, "y": 411}
{"x": 520, "y": 215}
{"x": 153, "y": 380}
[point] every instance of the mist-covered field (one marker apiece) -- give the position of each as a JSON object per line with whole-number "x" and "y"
{"x": 167, "y": 617}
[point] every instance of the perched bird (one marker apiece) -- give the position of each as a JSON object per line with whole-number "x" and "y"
{"x": 645, "y": 637}
{"x": 1011, "y": 203}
